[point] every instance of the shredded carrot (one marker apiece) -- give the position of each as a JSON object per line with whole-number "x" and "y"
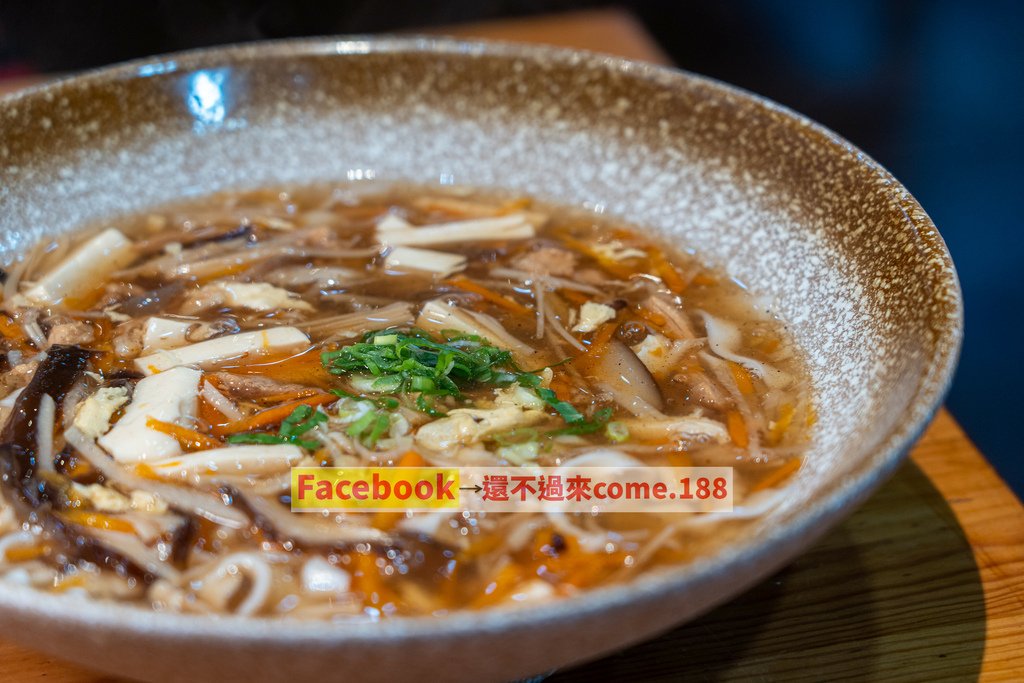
{"x": 679, "y": 459}
{"x": 85, "y": 300}
{"x": 620, "y": 270}
{"x": 495, "y": 298}
{"x": 780, "y": 475}
{"x": 598, "y": 346}
{"x": 666, "y": 271}
{"x": 703, "y": 279}
{"x": 411, "y": 459}
{"x": 602, "y": 337}
{"x": 387, "y": 519}
{"x": 812, "y": 417}
{"x": 145, "y": 471}
{"x": 189, "y": 439}
{"x": 742, "y": 377}
{"x": 10, "y": 330}
{"x": 560, "y": 385}
{"x": 98, "y": 520}
{"x": 76, "y": 467}
{"x": 578, "y": 298}
{"x": 655, "y": 319}
{"x": 369, "y": 581}
{"x": 779, "y": 426}
{"x": 737, "y": 428}
{"x": 514, "y": 205}
{"x": 24, "y": 553}
{"x": 510, "y": 576}
{"x": 289, "y": 395}
{"x": 570, "y": 563}
{"x": 271, "y": 416}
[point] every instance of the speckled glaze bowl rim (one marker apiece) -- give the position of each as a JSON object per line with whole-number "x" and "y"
{"x": 820, "y": 513}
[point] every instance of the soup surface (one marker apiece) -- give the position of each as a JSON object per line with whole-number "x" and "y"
{"x": 163, "y": 373}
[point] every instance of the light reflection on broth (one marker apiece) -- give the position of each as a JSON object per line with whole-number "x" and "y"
{"x": 139, "y": 349}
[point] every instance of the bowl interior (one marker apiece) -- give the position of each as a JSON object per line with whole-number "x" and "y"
{"x": 830, "y": 242}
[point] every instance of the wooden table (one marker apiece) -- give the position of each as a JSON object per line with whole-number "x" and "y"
{"x": 925, "y": 582}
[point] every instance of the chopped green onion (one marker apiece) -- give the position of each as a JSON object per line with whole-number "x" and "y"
{"x": 302, "y": 419}
{"x": 616, "y": 431}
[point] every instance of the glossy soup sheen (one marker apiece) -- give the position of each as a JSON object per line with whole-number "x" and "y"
{"x": 103, "y": 495}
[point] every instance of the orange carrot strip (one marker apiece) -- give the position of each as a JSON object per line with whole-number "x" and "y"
{"x": 98, "y": 520}
{"x": 737, "y": 429}
{"x": 778, "y": 476}
{"x": 812, "y": 417}
{"x": 289, "y": 395}
{"x": 510, "y": 576}
{"x": 271, "y": 416}
{"x": 603, "y": 337}
{"x": 703, "y": 279}
{"x": 744, "y": 382}
{"x": 23, "y": 553}
{"x": 386, "y": 519}
{"x": 679, "y": 459}
{"x": 666, "y": 271}
{"x": 10, "y": 330}
{"x": 779, "y": 427}
{"x": 189, "y": 439}
{"x": 411, "y": 459}
{"x": 367, "y": 578}
{"x": 578, "y": 298}
{"x": 505, "y": 302}
{"x": 146, "y": 472}
{"x": 655, "y": 319}
{"x": 615, "y": 268}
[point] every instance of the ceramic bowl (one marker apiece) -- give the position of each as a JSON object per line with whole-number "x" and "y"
{"x": 830, "y": 240}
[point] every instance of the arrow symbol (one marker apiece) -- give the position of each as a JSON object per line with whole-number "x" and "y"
{"x": 478, "y": 488}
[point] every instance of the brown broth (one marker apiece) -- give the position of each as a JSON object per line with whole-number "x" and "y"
{"x": 659, "y": 296}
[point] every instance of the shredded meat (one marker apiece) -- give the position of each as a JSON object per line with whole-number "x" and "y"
{"x": 64, "y": 330}
{"x": 248, "y": 387}
{"x": 17, "y": 377}
{"x": 703, "y": 390}
{"x": 676, "y": 322}
{"x": 128, "y": 338}
{"x": 113, "y": 294}
{"x": 547, "y": 261}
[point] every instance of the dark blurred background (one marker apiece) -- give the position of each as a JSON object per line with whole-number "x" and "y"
{"x": 933, "y": 90}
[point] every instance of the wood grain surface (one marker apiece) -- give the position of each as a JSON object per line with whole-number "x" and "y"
{"x": 924, "y": 583}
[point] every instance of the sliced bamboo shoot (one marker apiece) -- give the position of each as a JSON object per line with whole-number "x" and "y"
{"x": 257, "y": 459}
{"x": 411, "y": 258}
{"x": 509, "y": 227}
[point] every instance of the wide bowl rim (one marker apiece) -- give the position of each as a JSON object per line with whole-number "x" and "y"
{"x": 927, "y": 398}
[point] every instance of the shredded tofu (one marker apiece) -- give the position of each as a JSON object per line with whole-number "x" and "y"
{"x": 660, "y": 355}
{"x": 106, "y": 499}
{"x": 254, "y": 296}
{"x": 592, "y": 316}
{"x": 169, "y": 396}
{"x": 617, "y": 251}
{"x": 470, "y": 425}
{"x": 92, "y": 417}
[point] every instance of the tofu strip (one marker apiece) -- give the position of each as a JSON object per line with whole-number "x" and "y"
{"x": 169, "y": 397}
{"x": 213, "y": 352}
{"x": 80, "y": 272}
